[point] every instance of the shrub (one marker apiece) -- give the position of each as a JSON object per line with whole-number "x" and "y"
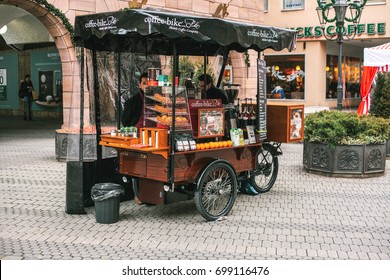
{"x": 338, "y": 127}
{"x": 380, "y": 105}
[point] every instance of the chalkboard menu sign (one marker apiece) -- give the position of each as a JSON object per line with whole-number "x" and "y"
{"x": 261, "y": 125}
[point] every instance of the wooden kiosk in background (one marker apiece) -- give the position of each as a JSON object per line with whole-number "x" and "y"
{"x": 285, "y": 122}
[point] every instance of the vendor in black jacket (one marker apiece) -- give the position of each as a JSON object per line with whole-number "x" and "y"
{"x": 133, "y": 112}
{"x": 209, "y": 90}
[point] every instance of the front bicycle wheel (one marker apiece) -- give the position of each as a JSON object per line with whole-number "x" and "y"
{"x": 217, "y": 191}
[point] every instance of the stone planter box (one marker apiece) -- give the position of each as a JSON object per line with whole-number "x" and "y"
{"x": 349, "y": 160}
{"x": 68, "y": 144}
{"x": 388, "y": 148}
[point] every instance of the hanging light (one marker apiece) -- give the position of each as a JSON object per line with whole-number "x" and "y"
{"x": 327, "y": 69}
{"x": 3, "y": 29}
{"x": 298, "y": 68}
{"x": 276, "y": 68}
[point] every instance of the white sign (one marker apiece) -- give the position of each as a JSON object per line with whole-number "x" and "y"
{"x": 3, "y": 77}
{"x": 293, "y": 4}
{"x": 3, "y": 84}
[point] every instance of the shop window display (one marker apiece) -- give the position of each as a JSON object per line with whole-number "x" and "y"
{"x": 285, "y": 77}
{"x": 351, "y": 77}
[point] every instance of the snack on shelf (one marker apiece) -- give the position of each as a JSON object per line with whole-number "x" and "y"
{"x": 159, "y": 97}
{"x": 168, "y": 100}
{"x": 181, "y": 120}
{"x": 166, "y": 110}
{"x": 167, "y": 120}
{"x": 161, "y": 109}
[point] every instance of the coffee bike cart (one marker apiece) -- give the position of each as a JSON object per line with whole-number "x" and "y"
{"x": 164, "y": 173}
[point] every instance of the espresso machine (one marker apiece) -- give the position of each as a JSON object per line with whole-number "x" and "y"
{"x": 231, "y": 109}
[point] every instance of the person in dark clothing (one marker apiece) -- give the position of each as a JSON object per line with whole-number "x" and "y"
{"x": 209, "y": 90}
{"x": 133, "y": 115}
{"x": 26, "y": 88}
{"x": 133, "y": 112}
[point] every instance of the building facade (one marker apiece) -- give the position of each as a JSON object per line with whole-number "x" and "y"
{"x": 56, "y": 16}
{"x": 310, "y": 74}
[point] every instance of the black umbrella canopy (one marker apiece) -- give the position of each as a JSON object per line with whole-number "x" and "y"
{"x": 154, "y": 32}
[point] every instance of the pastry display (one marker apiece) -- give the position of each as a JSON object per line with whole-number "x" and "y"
{"x": 158, "y": 107}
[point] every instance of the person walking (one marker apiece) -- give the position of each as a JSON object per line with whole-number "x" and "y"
{"x": 26, "y": 88}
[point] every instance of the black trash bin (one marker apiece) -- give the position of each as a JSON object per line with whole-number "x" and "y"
{"x": 107, "y": 199}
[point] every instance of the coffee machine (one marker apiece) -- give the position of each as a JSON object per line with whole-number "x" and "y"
{"x": 231, "y": 109}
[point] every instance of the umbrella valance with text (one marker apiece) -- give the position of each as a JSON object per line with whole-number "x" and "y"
{"x": 149, "y": 31}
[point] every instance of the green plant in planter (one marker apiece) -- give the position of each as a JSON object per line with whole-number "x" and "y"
{"x": 380, "y": 105}
{"x": 338, "y": 127}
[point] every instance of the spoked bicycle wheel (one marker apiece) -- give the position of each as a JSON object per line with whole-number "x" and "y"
{"x": 217, "y": 191}
{"x": 267, "y": 166}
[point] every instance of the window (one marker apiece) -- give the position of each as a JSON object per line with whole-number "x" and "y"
{"x": 376, "y": 1}
{"x": 286, "y": 72}
{"x": 265, "y": 5}
{"x": 293, "y": 4}
{"x": 351, "y": 76}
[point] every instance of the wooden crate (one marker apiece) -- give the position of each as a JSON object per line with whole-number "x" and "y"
{"x": 117, "y": 141}
{"x": 285, "y": 122}
{"x": 155, "y": 137}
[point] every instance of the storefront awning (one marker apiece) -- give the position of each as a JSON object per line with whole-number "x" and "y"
{"x": 375, "y": 59}
{"x": 378, "y": 56}
{"x": 155, "y": 32}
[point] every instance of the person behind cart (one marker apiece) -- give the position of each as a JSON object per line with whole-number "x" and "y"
{"x": 133, "y": 111}
{"x": 133, "y": 115}
{"x": 209, "y": 90}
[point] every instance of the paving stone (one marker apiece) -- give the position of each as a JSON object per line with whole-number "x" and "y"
{"x": 305, "y": 216}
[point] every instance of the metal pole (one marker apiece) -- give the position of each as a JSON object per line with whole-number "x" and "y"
{"x": 81, "y": 140}
{"x": 97, "y": 116}
{"x": 118, "y": 101}
{"x": 171, "y": 158}
{"x": 340, "y": 67}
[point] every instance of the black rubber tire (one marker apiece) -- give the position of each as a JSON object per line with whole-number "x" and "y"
{"x": 267, "y": 167}
{"x": 217, "y": 191}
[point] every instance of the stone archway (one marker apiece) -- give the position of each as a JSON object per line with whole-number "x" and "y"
{"x": 64, "y": 46}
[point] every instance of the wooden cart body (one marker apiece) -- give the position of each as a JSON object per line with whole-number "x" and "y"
{"x": 150, "y": 165}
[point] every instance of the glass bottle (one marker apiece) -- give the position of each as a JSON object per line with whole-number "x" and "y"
{"x": 245, "y": 115}
{"x": 239, "y": 114}
{"x": 252, "y": 114}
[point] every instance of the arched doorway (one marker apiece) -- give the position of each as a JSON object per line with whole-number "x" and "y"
{"x": 62, "y": 40}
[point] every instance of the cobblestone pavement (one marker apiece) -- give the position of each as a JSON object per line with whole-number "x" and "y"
{"x": 304, "y": 216}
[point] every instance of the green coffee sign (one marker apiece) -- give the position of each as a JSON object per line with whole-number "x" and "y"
{"x": 316, "y": 31}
